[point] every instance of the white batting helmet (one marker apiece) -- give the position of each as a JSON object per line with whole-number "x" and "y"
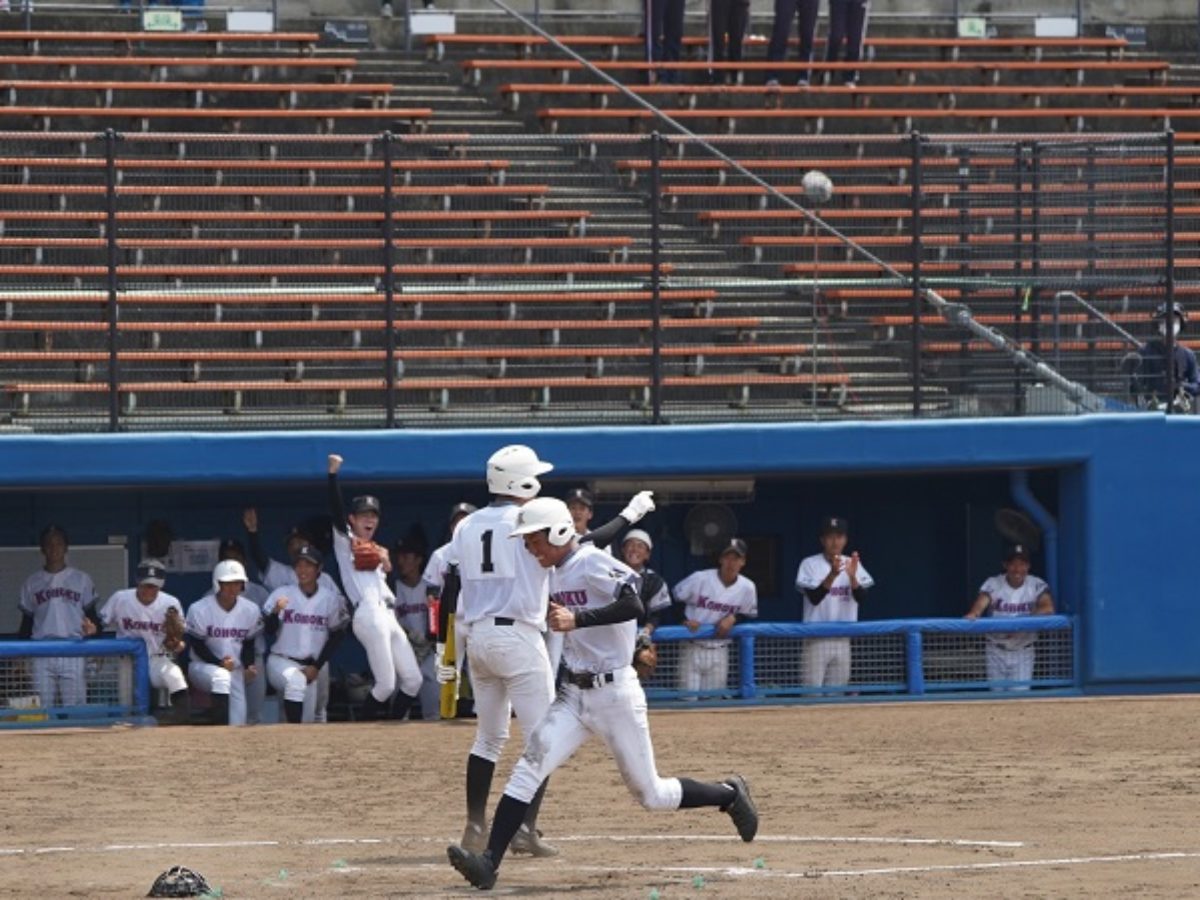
{"x": 546, "y": 514}
{"x": 512, "y": 472}
{"x": 228, "y": 570}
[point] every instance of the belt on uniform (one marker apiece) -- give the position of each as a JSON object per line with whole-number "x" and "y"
{"x": 504, "y": 620}
{"x": 588, "y": 680}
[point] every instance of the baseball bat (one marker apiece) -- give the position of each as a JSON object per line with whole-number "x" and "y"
{"x": 449, "y": 695}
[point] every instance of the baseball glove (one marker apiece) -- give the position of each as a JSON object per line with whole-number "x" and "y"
{"x": 173, "y": 629}
{"x": 645, "y": 658}
{"x": 367, "y": 555}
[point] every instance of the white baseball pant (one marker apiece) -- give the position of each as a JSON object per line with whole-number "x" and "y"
{"x": 322, "y": 700}
{"x": 288, "y": 678}
{"x": 615, "y": 712}
{"x": 704, "y": 666}
{"x": 219, "y": 680}
{"x": 1004, "y": 664}
{"x": 554, "y": 648}
{"x": 826, "y": 662}
{"x": 60, "y": 680}
{"x": 389, "y": 653}
{"x": 510, "y": 670}
{"x": 164, "y": 673}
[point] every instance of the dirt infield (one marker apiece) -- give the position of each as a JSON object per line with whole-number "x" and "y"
{"x": 1085, "y": 798}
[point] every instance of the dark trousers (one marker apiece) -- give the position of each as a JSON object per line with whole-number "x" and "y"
{"x": 805, "y": 12}
{"x": 847, "y": 25}
{"x": 665, "y": 34}
{"x": 728, "y": 26}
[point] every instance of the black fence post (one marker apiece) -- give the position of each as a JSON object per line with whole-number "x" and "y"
{"x": 1018, "y": 270}
{"x": 1031, "y": 300}
{"x": 917, "y": 291}
{"x": 389, "y": 287}
{"x": 655, "y": 280}
{"x": 110, "y": 231}
{"x": 1169, "y": 336}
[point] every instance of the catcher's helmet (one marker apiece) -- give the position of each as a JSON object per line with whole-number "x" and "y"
{"x": 546, "y": 514}
{"x": 512, "y": 472}
{"x": 1177, "y": 310}
{"x": 179, "y": 881}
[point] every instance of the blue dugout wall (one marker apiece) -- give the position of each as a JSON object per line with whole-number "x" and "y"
{"x": 920, "y": 497}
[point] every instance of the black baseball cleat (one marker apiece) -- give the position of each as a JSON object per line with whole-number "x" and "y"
{"x": 742, "y": 809}
{"x": 477, "y": 868}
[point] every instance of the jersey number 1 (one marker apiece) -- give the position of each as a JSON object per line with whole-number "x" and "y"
{"x": 487, "y": 566}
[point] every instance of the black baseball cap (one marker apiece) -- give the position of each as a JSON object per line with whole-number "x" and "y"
{"x": 364, "y": 504}
{"x": 461, "y": 509}
{"x": 51, "y": 530}
{"x": 834, "y": 523}
{"x": 309, "y": 552}
{"x": 580, "y": 495}
{"x": 735, "y": 545}
{"x": 231, "y": 547}
{"x": 152, "y": 571}
{"x": 1015, "y": 550}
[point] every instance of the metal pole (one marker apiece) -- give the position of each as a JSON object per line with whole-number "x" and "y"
{"x": 110, "y": 200}
{"x": 1169, "y": 335}
{"x": 389, "y": 288}
{"x": 655, "y": 297}
{"x": 917, "y": 294}
{"x": 1031, "y": 297}
{"x": 1019, "y": 268}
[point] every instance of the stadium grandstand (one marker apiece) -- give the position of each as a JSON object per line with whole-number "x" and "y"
{"x": 214, "y": 229}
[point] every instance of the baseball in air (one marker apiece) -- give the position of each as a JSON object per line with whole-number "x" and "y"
{"x": 817, "y": 187}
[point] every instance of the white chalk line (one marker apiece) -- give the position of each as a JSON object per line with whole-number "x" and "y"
{"x": 567, "y": 838}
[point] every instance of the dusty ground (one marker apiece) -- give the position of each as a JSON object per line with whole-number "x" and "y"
{"x": 1084, "y": 798}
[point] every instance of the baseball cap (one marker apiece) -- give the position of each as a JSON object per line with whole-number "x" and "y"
{"x": 1016, "y": 550}
{"x": 152, "y": 571}
{"x": 461, "y": 509}
{"x": 580, "y": 495}
{"x": 364, "y": 504}
{"x": 51, "y": 530}
{"x": 414, "y": 541}
{"x": 834, "y": 523}
{"x": 309, "y": 552}
{"x": 735, "y": 545}
{"x": 231, "y": 547}
{"x": 636, "y": 534}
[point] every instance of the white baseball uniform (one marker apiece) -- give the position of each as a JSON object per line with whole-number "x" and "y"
{"x": 1010, "y": 656}
{"x": 827, "y": 660}
{"x": 501, "y": 618}
{"x": 304, "y": 627}
{"x": 389, "y": 654}
{"x": 58, "y": 602}
{"x": 704, "y": 665}
{"x": 256, "y": 690}
{"x": 129, "y": 617}
{"x": 224, "y": 633}
{"x": 412, "y": 612}
{"x": 278, "y": 575}
{"x": 614, "y": 707}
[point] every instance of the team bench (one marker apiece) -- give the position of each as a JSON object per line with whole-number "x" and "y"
{"x": 612, "y": 44}
{"x": 906, "y": 70}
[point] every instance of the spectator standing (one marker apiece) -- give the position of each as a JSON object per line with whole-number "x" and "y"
{"x": 1150, "y": 379}
{"x": 664, "y": 35}
{"x": 1010, "y": 656}
{"x": 833, "y": 585}
{"x": 805, "y": 14}
{"x": 847, "y": 34}
{"x": 720, "y": 597}
{"x": 58, "y": 604}
{"x": 727, "y": 26}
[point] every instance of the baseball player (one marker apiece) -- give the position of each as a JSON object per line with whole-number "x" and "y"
{"x": 654, "y": 594}
{"x": 221, "y": 628}
{"x": 441, "y": 593}
{"x": 412, "y": 612}
{"x": 501, "y": 618}
{"x": 832, "y": 585}
{"x": 594, "y": 601}
{"x": 1015, "y": 593}
{"x": 308, "y": 621}
{"x": 720, "y": 597}
{"x": 256, "y": 690}
{"x": 141, "y": 612}
{"x": 58, "y": 603}
{"x": 275, "y": 574}
{"x": 389, "y": 654}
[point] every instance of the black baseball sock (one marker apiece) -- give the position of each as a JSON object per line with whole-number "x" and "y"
{"x": 401, "y": 704}
{"x": 700, "y": 793}
{"x": 293, "y": 711}
{"x": 371, "y": 709}
{"x": 219, "y": 710}
{"x": 479, "y": 784}
{"x": 510, "y": 813}
{"x": 179, "y": 707}
{"x": 535, "y": 806}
